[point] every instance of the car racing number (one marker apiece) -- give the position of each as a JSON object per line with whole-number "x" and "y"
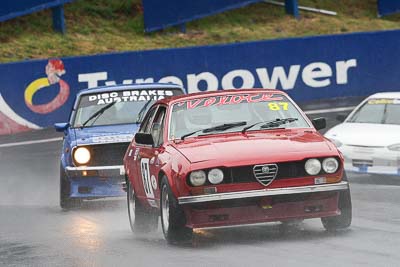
{"x": 145, "y": 170}
{"x": 278, "y": 106}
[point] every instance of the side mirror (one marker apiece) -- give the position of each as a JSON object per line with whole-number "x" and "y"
{"x": 341, "y": 117}
{"x": 319, "y": 123}
{"x": 144, "y": 139}
{"x": 61, "y": 127}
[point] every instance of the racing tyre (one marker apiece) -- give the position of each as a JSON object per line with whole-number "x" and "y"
{"x": 343, "y": 220}
{"x": 66, "y": 202}
{"x": 140, "y": 219}
{"x": 173, "y": 218}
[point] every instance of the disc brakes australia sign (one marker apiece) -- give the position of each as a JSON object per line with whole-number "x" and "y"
{"x": 35, "y": 94}
{"x": 161, "y": 14}
{"x": 387, "y": 7}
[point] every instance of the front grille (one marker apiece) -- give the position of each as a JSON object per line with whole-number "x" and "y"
{"x": 107, "y": 154}
{"x": 362, "y": 162}
{"x": 266, "y": 173}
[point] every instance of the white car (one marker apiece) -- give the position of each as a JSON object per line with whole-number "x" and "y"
{"x": 369, "y": 137}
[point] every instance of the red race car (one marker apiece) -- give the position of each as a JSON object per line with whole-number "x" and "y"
{"x": 232, "y": 157}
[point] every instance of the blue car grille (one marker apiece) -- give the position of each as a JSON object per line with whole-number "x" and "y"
{"x": 107, "y": 154}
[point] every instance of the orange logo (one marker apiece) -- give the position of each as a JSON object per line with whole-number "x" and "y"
{"x": 54, "y": 70}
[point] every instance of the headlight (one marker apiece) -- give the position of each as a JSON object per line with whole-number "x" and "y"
{"x": 330, "y": 165}
{"x": 395, "y": 147}
{"x": 81, "y": 155}
{"x": 312, "y": 166}
{"x": 198, "y": 178}
{"x": 215, "y": 176}
{"x": 336, "y": 142}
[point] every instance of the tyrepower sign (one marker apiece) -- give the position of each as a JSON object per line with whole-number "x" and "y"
{"x": 35, "y": 94}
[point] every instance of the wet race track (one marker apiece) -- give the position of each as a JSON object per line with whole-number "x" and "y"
{"x": 35, "y": 232}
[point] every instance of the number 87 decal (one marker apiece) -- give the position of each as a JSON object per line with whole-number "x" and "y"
{"x": 145, "y": 170}
{"x": 278, "y": 106}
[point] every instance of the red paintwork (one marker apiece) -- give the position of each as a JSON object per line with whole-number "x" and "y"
{"x": 176, "y": 159}
{"x": 200, "y": 218}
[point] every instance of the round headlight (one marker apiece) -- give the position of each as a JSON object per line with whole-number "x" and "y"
{"x": 198, "y": 178}
{"x": 395, "y": 147}
{"x": 82, "y": 155}
{"x": 312, "y": 166}
{"x": 330, "y": 165}
{"x": 215, "y": 176}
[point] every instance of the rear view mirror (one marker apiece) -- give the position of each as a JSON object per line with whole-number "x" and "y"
{"x": 341, "y": 117}
{"x": 144, "y": 139}
{"x": 319, "y": 123}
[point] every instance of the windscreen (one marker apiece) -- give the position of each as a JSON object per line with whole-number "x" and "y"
{"x": 117, "y": 107}
{"x": 242, "y": 109}
{"x": 380, "y": 111}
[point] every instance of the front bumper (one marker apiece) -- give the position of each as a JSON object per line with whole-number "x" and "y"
{"x": 95, "y": 171}
{"x": 374, "y": 160}
{"x": 264, "y": 192}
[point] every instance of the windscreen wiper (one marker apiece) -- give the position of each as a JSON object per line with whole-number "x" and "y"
{"x": 98, "y": 113}
{"x": 142, "y": 110}
{"x": 221, "y": 127}
{"x": 269, "y": 124}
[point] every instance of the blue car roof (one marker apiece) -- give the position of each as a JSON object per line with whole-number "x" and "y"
{"x": 133, "y": 86}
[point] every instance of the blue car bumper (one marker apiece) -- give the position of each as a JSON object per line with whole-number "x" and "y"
{"x": 96, "y": 182}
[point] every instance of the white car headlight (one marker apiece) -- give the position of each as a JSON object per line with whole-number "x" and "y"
{"x": 312, "y": 166}
{"x": 336, "y": 142}
{"x": 330, "y": 165}
{"x": 198, "y": 178}
{"x": 215, "y": 176}
{"x": 82, "y": 155}
{"x": 395, "y": 147}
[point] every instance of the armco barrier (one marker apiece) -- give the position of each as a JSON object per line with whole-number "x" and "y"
{"x": 36, "y": 94}
{"x": 387, "y": 7}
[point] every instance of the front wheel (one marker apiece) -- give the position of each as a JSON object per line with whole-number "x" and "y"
{"x": 140, "y": 219}
{"x": 66, "y": 202}
{"x": 343, "y": 220}
{"x": 173, "y": 218}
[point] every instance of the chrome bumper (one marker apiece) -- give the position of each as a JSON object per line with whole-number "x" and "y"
{"x": 95, "y": 171}
{"x": 264, "y": 192}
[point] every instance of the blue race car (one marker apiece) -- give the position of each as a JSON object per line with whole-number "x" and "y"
{"x": 101, "y": 126}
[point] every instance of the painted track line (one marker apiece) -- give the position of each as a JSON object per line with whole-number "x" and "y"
{"x": 31, "y": 142}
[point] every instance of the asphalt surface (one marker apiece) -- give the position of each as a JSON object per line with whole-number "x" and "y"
{"x": 35, "y": 232}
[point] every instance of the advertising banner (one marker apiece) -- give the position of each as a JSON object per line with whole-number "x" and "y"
{"x": 387, "y": 7}
{"x": 161, "y": 14}
{"x": 35, "y": 94}
{"x": 11, "y": 9}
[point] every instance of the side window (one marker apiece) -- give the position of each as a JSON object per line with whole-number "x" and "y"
{"x": 145, "y": 126}
{"x": 158, "y": 126}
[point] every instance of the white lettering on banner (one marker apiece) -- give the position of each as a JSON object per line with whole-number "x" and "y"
{"x": 278, "y": 75}
{"x": 171, "y": 79}
{"x": 246, "y": 76}
{"x": 92, "y": 78}
{"x": 314, "y": 74}
{"x": 127, "y": 81}
{"x": 147, "y": 80}
{"x": 194, "y": 79}
{"x": 342, "y": 68}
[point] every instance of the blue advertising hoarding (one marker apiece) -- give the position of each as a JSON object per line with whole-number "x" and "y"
{"x": 161, "y": 14}
{"x": 10, "y": 9}
{"x": 35, "y": 94}
{"x": 387, "y": 7}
